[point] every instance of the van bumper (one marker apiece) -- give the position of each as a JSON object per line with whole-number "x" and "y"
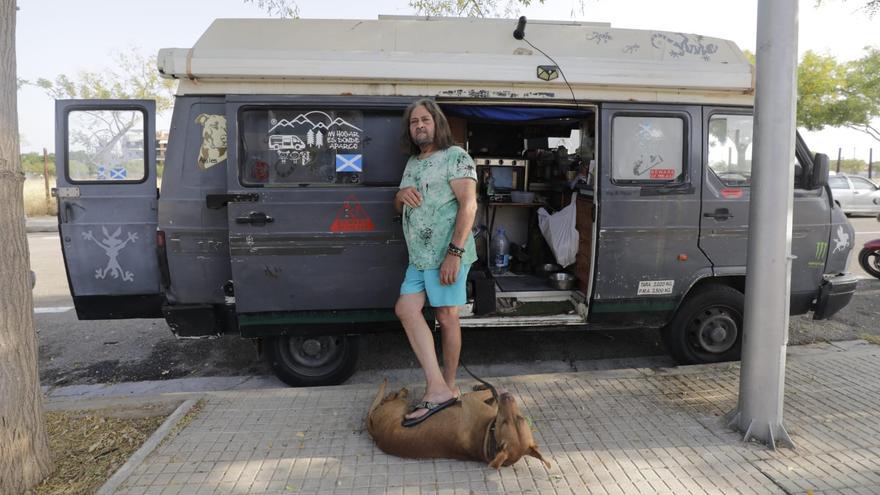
{"x": 834, "y": 294}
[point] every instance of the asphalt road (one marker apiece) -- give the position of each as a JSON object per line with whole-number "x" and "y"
{"x": 85, "y": 352}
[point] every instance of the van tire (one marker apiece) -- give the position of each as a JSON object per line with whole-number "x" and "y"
{"x": 707, "y": 328}
{"x": 312, "y": 361}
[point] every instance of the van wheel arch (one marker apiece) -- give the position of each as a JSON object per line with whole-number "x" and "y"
{"x": 311, "y": 361}
{"x": 708, "y": 326}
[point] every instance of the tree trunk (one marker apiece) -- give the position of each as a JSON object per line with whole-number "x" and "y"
{"x": 24, "y": 448}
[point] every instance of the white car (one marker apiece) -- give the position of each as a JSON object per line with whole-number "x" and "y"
{"x": 855, "y": 194}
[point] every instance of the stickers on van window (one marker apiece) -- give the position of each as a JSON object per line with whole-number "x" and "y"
{"x": 663, "y": 173}
{"x": 655, "y": 287}
{"x": 302, "y": 146}
{"x": 352, "y": 217}
{"x": 213, "y": 149}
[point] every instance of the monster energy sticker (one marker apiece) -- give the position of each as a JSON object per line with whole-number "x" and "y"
{"x": 821, "y": 253}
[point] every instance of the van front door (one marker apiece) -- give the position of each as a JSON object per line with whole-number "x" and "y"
{"x": 107, "y": 206}
{"x": 724, "y": 222}
{"x": 311, "y": 220}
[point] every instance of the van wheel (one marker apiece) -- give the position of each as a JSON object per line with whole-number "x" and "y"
{"x": 312, "y": 361}
{"x": 708, "y": 327}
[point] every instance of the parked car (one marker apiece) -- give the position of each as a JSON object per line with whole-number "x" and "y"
{"x": 855, "y": 194}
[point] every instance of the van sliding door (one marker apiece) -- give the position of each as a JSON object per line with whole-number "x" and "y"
{"x": 312, "y": 224}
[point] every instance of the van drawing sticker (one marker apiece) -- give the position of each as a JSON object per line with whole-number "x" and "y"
{"x": 322, "y": 129}
{"x": 841, "y": 242}
{"x": 112, "y": 245}
{"x": 213, "y": 149}
{"x": 655, "y": 287}
{"x": 683, "y": 45}
{"x": 352, "y": 217}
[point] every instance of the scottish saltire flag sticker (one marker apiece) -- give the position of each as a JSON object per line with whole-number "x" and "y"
{"x": 118, "y": 173}
{"x": 102, "y": 173}
{"x": 349, "y": 163}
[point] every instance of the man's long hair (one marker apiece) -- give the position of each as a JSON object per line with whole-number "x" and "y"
{"x": 442, "y": 132}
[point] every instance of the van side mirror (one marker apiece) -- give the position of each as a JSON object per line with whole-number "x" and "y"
{"x": 819, "y": 177}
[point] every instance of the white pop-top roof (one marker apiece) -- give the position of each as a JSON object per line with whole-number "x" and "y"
{"x": 457, "y": 58}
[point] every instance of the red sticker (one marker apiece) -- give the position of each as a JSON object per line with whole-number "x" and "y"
{"x": 662, "y": 173}
{"x": 731, "y": 193}
{"x": 352, "y": 218}
{"x": 261, "y": 171}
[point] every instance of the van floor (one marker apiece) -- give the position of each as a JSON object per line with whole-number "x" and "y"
{"x": 520, "y": 283}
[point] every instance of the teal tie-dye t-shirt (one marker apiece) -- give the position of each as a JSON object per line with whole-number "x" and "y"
{"x": 428, "y": 229}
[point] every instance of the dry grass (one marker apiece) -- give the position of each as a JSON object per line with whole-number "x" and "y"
{"x": 88, "y": 447}
{"x": 35, "y": 204}
{"x": 873, "y": 339}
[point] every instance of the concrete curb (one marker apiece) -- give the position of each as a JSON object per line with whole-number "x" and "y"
{"x": 146, "y": 449}
{"x": 41, "y": 224}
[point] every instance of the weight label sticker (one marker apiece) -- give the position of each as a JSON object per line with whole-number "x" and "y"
{"x": 655, "y": 287}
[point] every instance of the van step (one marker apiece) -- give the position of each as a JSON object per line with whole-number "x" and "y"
{"x": 522, "y": 321}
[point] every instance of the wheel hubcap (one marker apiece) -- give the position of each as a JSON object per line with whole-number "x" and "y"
{"x": 311, "y": 348}
{"x": 715, "y": 331}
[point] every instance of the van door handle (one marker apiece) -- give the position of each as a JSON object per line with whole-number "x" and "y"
{"x": 720, "y": 214}
{"x": 256, "y": 218}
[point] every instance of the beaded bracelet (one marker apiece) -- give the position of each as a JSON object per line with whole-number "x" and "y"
{"x": 453, "y": 253}
{"x": 457, "y": 251}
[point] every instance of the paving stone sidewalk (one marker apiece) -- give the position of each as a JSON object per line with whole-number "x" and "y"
{"x": 628, "y": 431}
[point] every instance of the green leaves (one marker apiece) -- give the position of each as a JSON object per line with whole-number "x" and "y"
{"x": 832, "y": 93}
{"x": 131, "y": 76}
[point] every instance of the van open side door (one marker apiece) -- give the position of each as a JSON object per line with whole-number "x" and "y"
{"x": 107, "y": 206}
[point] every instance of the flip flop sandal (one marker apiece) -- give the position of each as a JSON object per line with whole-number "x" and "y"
{"x": 432, "y": 408}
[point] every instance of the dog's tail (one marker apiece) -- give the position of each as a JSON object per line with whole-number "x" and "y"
{"x": 379, "y": 395}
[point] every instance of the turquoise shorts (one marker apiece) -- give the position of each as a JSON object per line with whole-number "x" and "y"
{"x": 428, "y": 281}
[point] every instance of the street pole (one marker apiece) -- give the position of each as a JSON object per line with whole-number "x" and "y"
{"x": 870, "y": 163}
{"x": 768, "y": 271}
{"x": 839, "y": 151}
{"x": 46, "y": 178}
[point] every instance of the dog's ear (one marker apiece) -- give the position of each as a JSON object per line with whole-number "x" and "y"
{"x": 202, "y": 118}
{"x": 533, "y": 451}
{"x": 498, "y": 460}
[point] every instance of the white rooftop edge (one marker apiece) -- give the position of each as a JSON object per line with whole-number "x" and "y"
{"x": 457, "y": 57}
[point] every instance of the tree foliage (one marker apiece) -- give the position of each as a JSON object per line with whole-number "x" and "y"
{"x": 471, "y": 8}
{"x": 832, "y": 93}
{"x": 284, "y": 9}
{"x": 133, "y": 76}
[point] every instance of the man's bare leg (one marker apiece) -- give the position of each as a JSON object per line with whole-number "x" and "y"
{"x": 409, "y": 310}
{"x": 450, "y": 329}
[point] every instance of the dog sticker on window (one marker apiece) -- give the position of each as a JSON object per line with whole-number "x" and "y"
{"x": 213, "y": 150}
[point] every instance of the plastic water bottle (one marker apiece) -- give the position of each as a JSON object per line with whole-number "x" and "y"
{"x": 500, "y": 252}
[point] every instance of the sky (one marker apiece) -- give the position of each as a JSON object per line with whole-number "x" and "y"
{"x": 64, "y": 37}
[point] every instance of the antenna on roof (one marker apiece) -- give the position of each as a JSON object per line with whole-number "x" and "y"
{"x": 545, "y": 72}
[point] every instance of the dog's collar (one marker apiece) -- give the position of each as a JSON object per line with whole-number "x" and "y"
{"x": 490, "y": 445}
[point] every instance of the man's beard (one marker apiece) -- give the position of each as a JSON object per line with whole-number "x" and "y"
{"x": 422, "y": 139}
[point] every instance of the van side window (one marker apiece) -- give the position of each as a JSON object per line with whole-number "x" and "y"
{"x": 106, "y": 146}
{"x": 730, "y": 148}
{"x": 647, "y": 149}
{"x": 301, "y": 146}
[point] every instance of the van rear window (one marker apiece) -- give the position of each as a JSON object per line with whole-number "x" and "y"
{"x": 302, "y": 146}
{"x": 106, "y": 146}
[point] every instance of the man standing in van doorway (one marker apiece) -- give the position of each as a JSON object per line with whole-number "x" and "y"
{"x": 438, "y": 199}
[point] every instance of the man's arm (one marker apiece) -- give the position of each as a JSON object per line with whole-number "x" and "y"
{"x": 465, "y": 191}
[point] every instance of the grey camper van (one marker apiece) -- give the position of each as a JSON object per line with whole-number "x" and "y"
{"x": 275, "y": 221}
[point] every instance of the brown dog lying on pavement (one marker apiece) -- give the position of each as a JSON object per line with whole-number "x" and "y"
{"x": 475, "y": 428}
